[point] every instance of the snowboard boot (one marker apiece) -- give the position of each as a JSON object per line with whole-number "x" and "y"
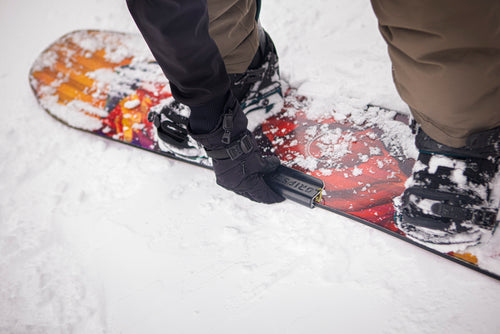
{"x": 259, "y": 86}
{"x": 448, "y": 199}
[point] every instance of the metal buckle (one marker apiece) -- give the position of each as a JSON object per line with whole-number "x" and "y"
{"x": 246, "y": 144}
{"x": 234, "y": 152}
{"x": 250, "y": 77}
{"x": 242, "y": 146}
{"x": 227, "y": 122}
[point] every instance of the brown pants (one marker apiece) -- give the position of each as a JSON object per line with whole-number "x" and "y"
{"x": 446, "y": 63}
{"x": 234, "y": 30}
{"x": 445, "y": 56}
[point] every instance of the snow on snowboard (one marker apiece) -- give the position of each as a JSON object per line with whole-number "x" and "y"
{"x": 108, "y": 84}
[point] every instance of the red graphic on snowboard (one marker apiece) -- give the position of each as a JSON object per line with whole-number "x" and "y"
{"x": 361, "y": 177}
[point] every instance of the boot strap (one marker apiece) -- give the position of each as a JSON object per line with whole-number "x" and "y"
{"x": 234, "y": 151}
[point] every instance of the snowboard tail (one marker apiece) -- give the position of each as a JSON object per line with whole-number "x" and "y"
{"x": 107, "y": 83}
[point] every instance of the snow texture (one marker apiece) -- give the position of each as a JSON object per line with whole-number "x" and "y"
{"x": 98, "y": 237}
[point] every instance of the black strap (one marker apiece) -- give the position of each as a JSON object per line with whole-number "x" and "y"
{"x": 172, "y": 127}
{"x": 250, "y": 76}
{"x": 481, "y": 217}
{"x": 481, "y": 145}
{"x": 449, "y": 207}
{"x": 234, "y": 151}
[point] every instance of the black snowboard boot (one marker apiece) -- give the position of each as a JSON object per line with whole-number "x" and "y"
{"x": 257, "y": 87}
{"x": 448, "y": 199}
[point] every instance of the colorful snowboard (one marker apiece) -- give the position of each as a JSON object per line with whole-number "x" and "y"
{"x": 106, "y": 83}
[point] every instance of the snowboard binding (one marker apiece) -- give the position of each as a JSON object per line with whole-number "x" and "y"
{"x": 259, "y": 87}
{"x": 170, "y": 119}
{"x": 448, "y": 199}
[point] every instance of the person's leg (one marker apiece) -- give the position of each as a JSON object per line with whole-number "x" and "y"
{"x": 247, "y": 50}
{"x": 446, "y": 67}
{"x": 233, "y": 27}
{"x": 446, "y": 63}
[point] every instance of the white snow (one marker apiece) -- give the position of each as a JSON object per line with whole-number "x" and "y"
{"x": 357, "y": 171}
{"x": 132, "y": 104}
{"x": 98, "y": 237}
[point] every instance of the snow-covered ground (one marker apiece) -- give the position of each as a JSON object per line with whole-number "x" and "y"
{"x": 97, "y": 237}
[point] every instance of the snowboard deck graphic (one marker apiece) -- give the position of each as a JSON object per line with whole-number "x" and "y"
{"x": 106, "y": 83}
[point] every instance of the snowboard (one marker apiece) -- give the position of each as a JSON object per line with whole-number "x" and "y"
{"x": 351, "y": 163}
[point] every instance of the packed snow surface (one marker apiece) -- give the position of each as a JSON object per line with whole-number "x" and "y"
{"x": 97, "y": 237}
